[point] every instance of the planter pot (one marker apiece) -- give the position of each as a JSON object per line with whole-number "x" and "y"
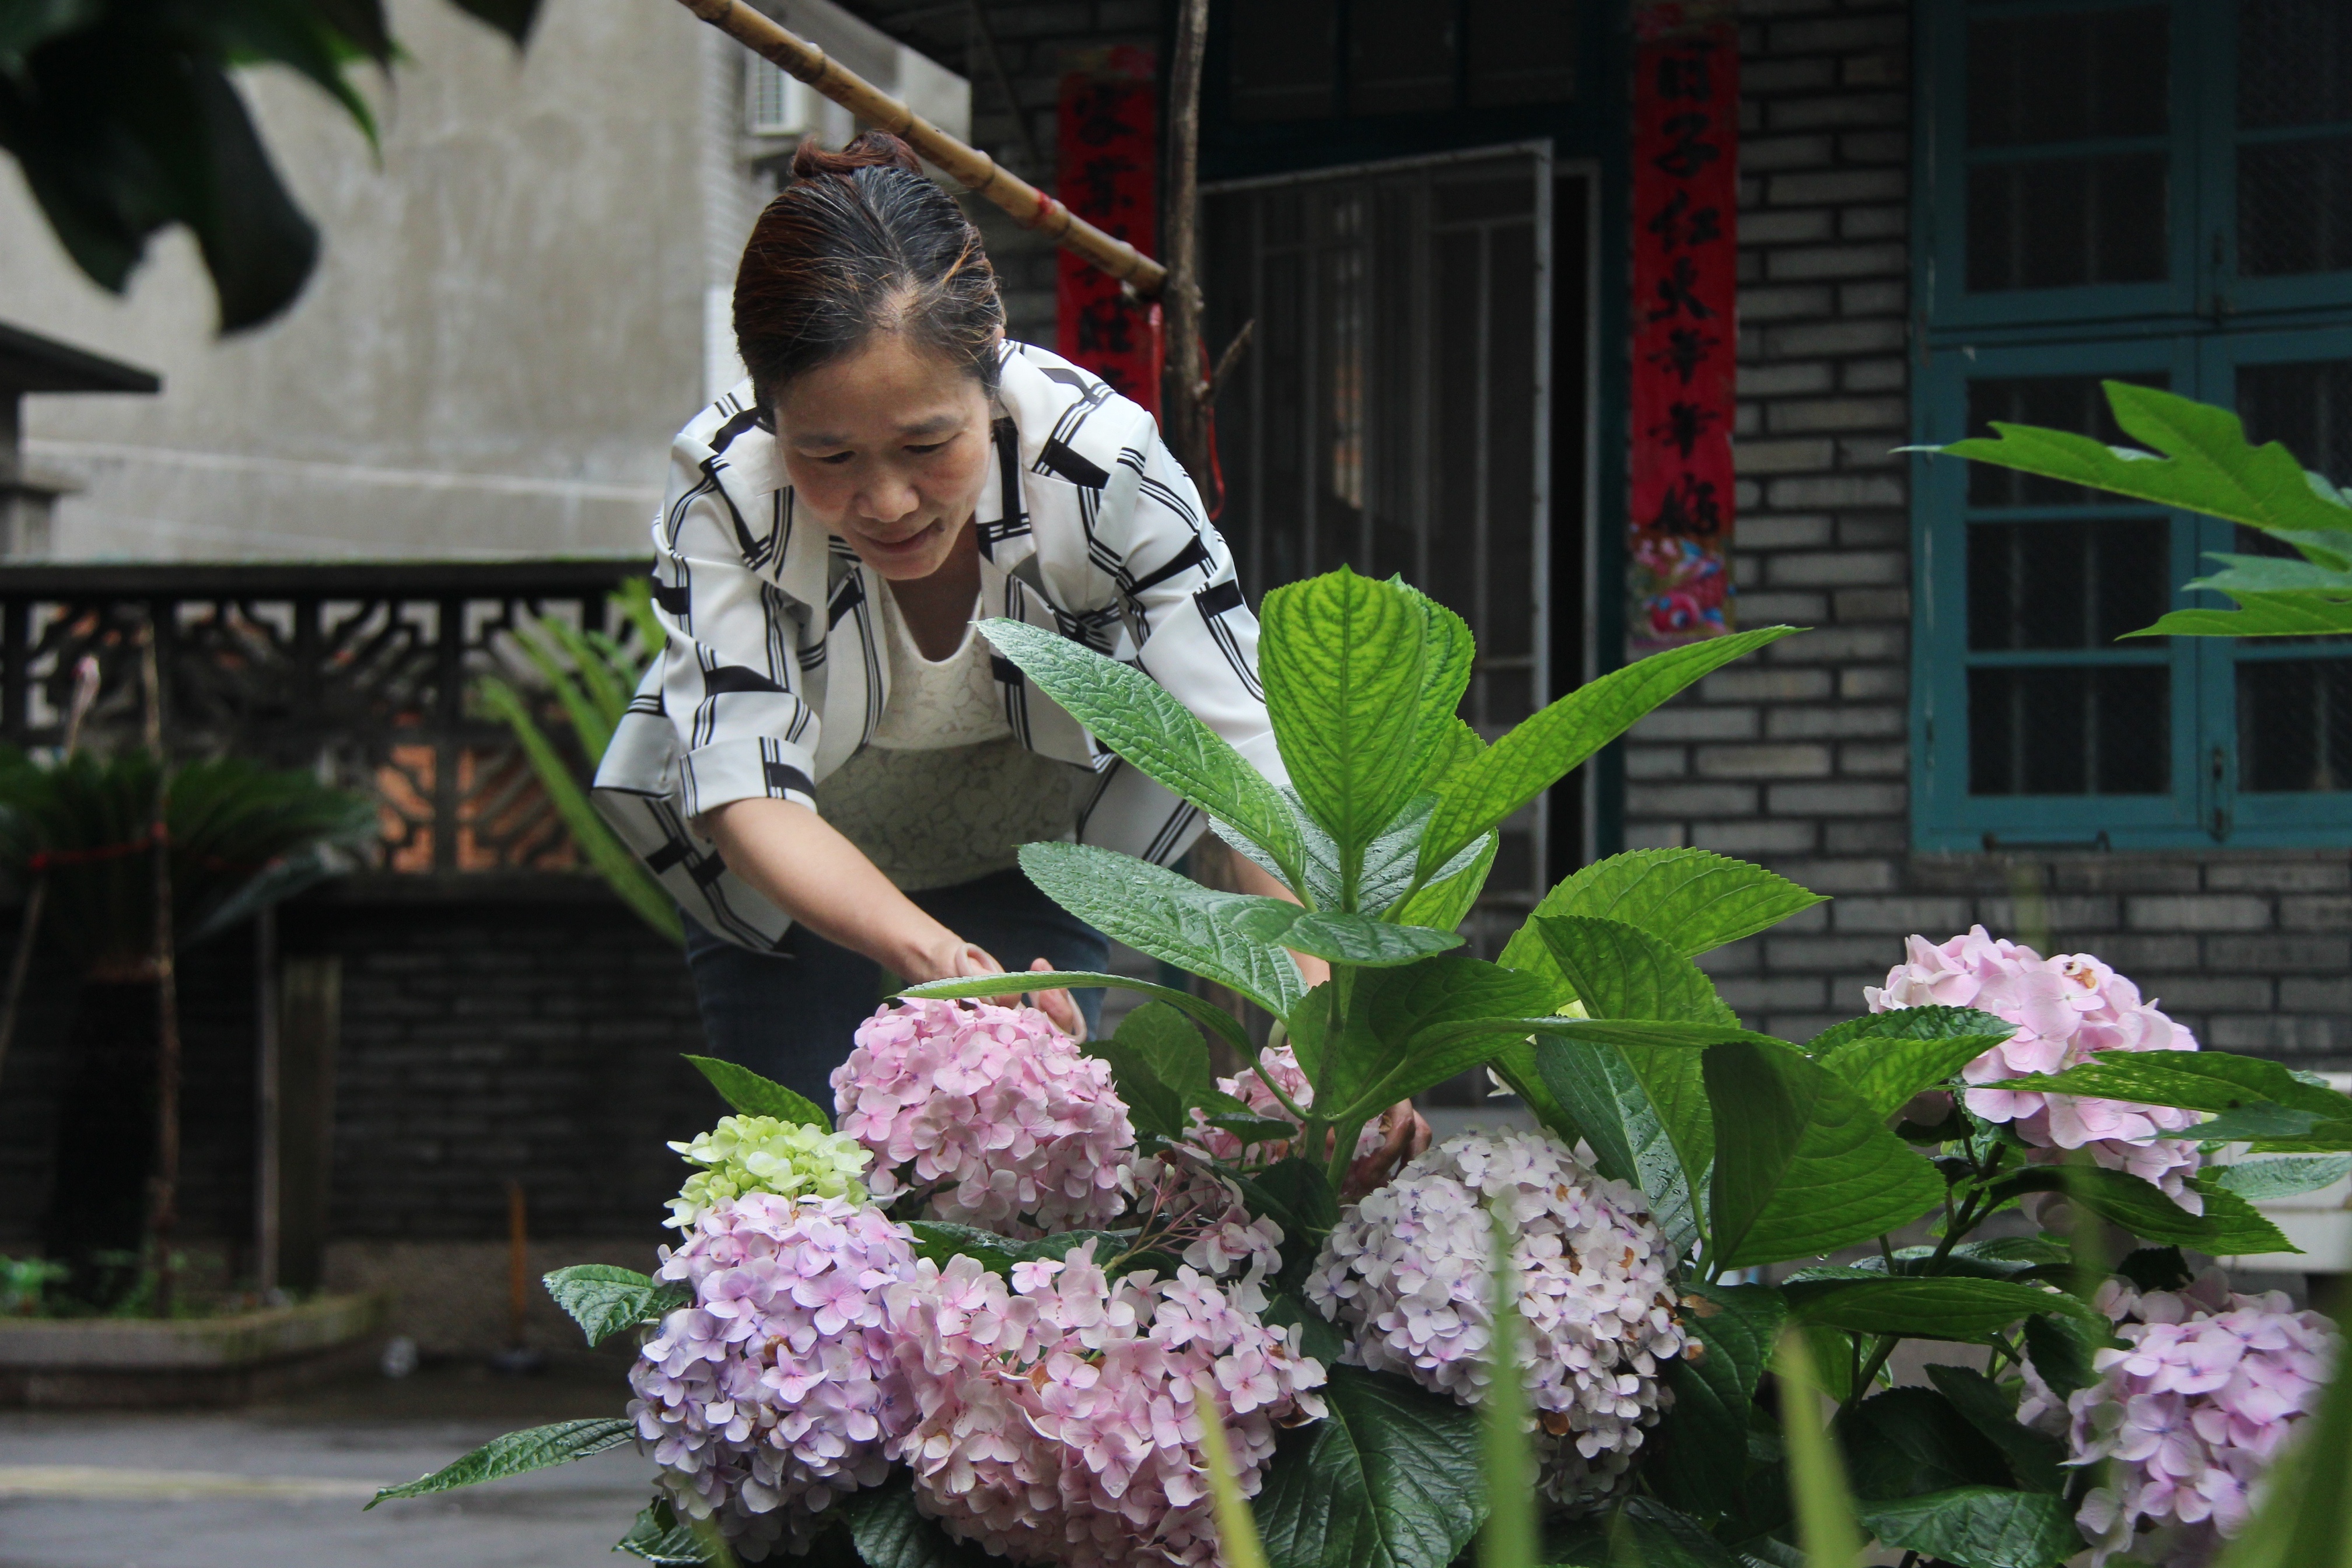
{"x": 147, "y": 1364}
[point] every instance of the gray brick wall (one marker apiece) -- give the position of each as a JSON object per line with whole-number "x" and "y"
{"x": 1799, "y": 758}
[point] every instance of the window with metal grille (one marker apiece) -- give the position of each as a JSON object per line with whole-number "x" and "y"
{"x": 2150, "y": 192}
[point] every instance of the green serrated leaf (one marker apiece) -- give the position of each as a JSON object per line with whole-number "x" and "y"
{"x": 1391, "y": 1478}
{"x": 2034, "y": 1456}
{"x": 1342, "y": 658}
{"x": 1935, "y": 1306}
{"x": 519, "y": 1453}
{"x": 1449, "y": 654}
{"x": 1620, "y": 971}
{"x": 1909, "y": 1440}
{"x": 603, "y": 1299}
{"x": 1136, "y": 716}
{"x": 1447, "y": 900}
{"x": 1802, "y": 1166}
{"x": 1487, "y": 789}
{"x": 2268, "y": 1101}
{"x": 1704, "y": 1453}
{"x": 2262, "y": 1181}
{"x": 890, "y": 1532}
{"x": 1693, "y": 900}
{"x": 2062, "y": 1349}
{"x": 1219, "y": 1022}
{"x": 1170, "y": 917}
{"x": 1642, "y": 1532}
{"x": 752, "y": 1095}
{"x": 2229, "y": 1226}
{"x": 1356, "y": 939}
{"x": 1401, "y": 1035}
{"x": 1888, "y": 1065}
{"x": 1611, "y": 1105}
{"x": 1978, "y": 1527}
{"x": 655, "y": 1536}
{"x": 1161, "y": 1067}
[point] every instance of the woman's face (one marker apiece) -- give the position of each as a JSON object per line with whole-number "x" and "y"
{"x": 889, "y": 447}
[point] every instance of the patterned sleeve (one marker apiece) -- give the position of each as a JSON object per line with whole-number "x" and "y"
{"x": 731, "y": 678}
{"x": 1196, "y": 634}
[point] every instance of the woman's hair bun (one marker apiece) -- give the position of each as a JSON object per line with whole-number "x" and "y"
{"x": 868, "y": 149}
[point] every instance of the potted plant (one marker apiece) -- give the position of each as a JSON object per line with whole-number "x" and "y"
{"x": 1010, "y": 1308}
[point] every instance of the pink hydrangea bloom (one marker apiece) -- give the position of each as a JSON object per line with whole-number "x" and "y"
{"x": 1058, "y": 1417}
{"x": 999, "y": 1113}
{"x": 2067, "y": 1010}
{"x": 1282, "y": 1064}
{"x": 1408, "y": 1274}
{"x": 2189, "y": 1414}
{"x": 775, "y": 1389}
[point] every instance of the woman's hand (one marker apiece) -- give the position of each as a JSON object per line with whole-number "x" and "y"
{"x": 1407, "y": 1135}
{"x": 1057, "y": 1005}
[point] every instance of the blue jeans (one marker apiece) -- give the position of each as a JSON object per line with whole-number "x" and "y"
{"x": 791, "y": 1015}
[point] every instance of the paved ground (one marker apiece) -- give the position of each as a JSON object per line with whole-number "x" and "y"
{"x": 283, "y": 1485}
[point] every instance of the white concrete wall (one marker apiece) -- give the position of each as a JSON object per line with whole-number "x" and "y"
{"x": 507, "y": 322}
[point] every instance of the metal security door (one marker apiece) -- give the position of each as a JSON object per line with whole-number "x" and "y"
{"x": 1393, "y": 412}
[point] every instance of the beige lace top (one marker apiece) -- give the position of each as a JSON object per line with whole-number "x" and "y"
{"x": 944, "y": 794}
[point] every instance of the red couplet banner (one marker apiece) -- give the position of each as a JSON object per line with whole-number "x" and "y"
{"x": 1110, "y": 156}
{"x": 1684, "y": 342}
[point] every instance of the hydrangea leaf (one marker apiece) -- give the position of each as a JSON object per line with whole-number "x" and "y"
{"x": 1694, "y": 900}
{"x": 752, "y": 1095}
{"x": 519, "y": 1453}
{"x": 1170, "y": 916}
{"x": 1449, "y": 652}
{"x": 1611, "y": 1107}
{"x": 1400, "y": 1038}
{"x": 1907, "y": 1023}
{"x": 2062, "y": 1349}
{"x": 655, "y": 1536}
{"x": 2261, "y": 1181}
{"x": 890, "y": 1532}
{"x": 1356, "y": 939}
{"x": 1620, "y": 971}
{"x": 2271, "y": 1103}
{"x": 1905, "y": 1441}
{"x": 2034, "y": 1456}
{"x": 1133, "y": 715}
{"x": 2257, "y": 616}
{"x": 1296, "y": 1195}
{"x": 1343, "y": 659}
{"x": 2229, "y": 1226}
{"x": 1933, "y": 1307}
{"x": 1643, "y": 1533}
{"x": 1219, "y": 1022}
{"x": 1978, "y": 1527}
{"x": 1888, "y": 1066}
{"x": 1802, "y": 1166}
{"x": 1161, "y": 1067}
{"x": 603, "y": 1299}
{"x": 1391, "y": 1478}
{"x": 1703, "y": 1447}
{"x": 1446, "y": 900}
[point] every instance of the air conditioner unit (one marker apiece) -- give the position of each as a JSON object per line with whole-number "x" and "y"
{"x": 776, "y": 103}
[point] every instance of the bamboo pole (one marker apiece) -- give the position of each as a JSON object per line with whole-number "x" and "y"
{"x": 163, "y": 1216}
{"x": 970, "y": 167}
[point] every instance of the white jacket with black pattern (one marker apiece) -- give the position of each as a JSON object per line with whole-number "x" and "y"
{"x": 775, "y": 672}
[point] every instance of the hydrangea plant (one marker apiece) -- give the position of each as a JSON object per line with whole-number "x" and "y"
{"x": 1116, "y": 1265}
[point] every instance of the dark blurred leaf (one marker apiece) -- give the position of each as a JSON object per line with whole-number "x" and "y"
{"x": 1979, "y": 1526}
{"x": 1909, "y": 1440}
{"x": 2034, "y": 1457}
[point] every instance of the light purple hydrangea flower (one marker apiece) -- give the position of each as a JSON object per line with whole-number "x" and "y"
{"x": 1408, "y": 1274}
{"x": 2066, "y": 1009}
{"x": 775, "y": 1390}
{"x": 995, "y": 1111}
{"x": 2189, "y": 1415}
{"x": 1058, "y": 1416}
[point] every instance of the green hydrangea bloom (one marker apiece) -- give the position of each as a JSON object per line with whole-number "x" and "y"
{"x": 763, "y": 1154}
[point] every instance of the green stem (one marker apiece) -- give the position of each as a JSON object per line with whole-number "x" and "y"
{"x": 1275, "y": 1089}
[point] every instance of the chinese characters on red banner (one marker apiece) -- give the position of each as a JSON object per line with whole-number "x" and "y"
{"x": 1685, "y": 198}
{"x": 1110, "y": 152}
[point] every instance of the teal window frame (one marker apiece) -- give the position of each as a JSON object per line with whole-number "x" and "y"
{"x": 2196, "y": 328}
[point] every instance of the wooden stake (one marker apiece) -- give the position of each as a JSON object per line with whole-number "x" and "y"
{"x": 1183, "y": 393}
{"x": 969, "y": 166}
